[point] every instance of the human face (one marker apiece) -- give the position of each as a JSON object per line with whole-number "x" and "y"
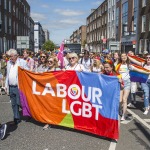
{"x": 148, "y": 59}
{"x": 116, "y": 56}
{"x": 13, "y": 58}
{"x": 72, "y": 60}
{"x": 108, "y": 69}
{"x": 25, "y": 55}
{"x": 124, "y": 58}
{"x": 51, "y": 62}
{"x": 43, "y": 58}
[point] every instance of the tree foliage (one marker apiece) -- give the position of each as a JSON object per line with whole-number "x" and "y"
{"x": 49, "y": 45}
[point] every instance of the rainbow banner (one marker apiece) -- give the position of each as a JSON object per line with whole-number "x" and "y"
{"x": 139, "y": 74}
{"x": 84, "y": 101}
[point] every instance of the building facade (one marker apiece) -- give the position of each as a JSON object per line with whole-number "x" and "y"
{"x": 97, "y": 28}
{"x": 14, "y": 21}
{"x": 127, "y": 24}
{"x": 111, "y": 24}
{"x": 39, "y": 36}
{"x": 144, "y": 26}
{"x": 47, "y": 35}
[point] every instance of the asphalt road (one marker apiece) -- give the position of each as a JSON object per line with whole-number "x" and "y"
{"x": 134, "y": 134}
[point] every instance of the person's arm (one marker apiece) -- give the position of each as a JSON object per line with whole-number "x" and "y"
{"x": 138, "y": 70}
{"x": 135, "y": 61}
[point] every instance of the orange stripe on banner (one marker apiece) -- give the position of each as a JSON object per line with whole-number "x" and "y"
{"x": 52, "y": 105}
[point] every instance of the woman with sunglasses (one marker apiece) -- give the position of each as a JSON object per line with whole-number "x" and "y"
{"x": 52, "y": 64}
{"x": 145, "y": 86}
{"x": 73, "y": 63}
{"x": 41, "y": 65}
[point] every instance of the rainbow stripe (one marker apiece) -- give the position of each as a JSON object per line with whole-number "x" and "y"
{"x": 139, "y": 76}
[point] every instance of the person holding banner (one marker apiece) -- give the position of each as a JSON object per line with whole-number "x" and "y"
{"x": 41, "y": 65}
{"x": 52, "y": 64}
{"x": 145, "y": 86}
{"x": 73, "y": 63}
{"x": 30, "y": 61}
{"x": 11, "y": 82}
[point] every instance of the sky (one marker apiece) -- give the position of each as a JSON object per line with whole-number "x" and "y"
{"x": 61, "y": 17}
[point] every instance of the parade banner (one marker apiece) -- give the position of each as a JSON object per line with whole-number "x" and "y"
{"x": 84, "y": 101}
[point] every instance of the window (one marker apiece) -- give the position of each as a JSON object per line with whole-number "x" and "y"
{"x": 135, "y": 15}
{"x": 9, "y": 5}
{"x": 5, "y": 4}
{"x": 143, "y": 23}
{"x": 124, "y": 18}
{"x": 143, "y": 3}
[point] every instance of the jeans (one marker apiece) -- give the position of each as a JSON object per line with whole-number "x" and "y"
{"x": 146, "y": 89}
{"x": 15, "y": 100}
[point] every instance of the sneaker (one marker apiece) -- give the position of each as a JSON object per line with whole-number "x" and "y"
{"x": 123, "y": 118}
{"x": 3, "y": 131}
{"x": 46, "y": 127}
{"x": 130, "y": 105}
{"x": 145, "y": 112}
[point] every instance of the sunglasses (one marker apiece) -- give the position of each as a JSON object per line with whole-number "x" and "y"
{"x": 43, "y": 56}
{"x": 71, "y": 58}
{"x": 147, "y": 57}
{"x": 50, "y": 61}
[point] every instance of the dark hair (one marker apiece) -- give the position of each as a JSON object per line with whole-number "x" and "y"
{"x": 86, "y": 52}
{"x": 127, "y": 61}
{"x": 111, "y": 65}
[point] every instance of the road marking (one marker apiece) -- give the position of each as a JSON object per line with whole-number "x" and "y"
{"x": 126, "y": 121}
{"x": 138, "y": 118}
{"x": 5, "y": 102}
{"x": 112, "y": 146}
{"x": 146, "y": 120}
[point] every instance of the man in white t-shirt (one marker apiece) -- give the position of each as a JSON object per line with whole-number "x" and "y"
{"x": 86, "y": 61}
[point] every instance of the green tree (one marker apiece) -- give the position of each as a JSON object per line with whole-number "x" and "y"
{"x": 49, "y": 45}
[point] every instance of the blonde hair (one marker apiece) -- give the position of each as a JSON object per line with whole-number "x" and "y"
{"x": 55, "y": 60}
{"x": 73, "y": 55}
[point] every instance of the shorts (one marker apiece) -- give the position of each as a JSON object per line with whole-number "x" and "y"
{"x": 127, "y": 84}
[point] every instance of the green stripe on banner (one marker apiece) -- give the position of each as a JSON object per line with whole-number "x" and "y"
{"x": 68, "y": 121}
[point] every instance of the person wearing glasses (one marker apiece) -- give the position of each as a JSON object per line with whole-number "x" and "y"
{"x": 145, "y": 86}
{"x": 41, "y": 65}
{"x": 52, "y": 64}
{"x": 73, "y": 63}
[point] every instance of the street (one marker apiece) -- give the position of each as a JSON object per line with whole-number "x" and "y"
{"x": 134, "y": 134}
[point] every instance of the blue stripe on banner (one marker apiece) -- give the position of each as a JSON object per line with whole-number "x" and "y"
{"x": 110, "y": 88}
{"x": 138, "y": 77}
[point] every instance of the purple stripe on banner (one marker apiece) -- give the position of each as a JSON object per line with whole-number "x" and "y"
{"x": 138, "y": 77}
{"x": 24, "y": 104}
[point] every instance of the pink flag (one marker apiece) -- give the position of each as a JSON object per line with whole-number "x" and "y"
{"x": 60, "y": 55}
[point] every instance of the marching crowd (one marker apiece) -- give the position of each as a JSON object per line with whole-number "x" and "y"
{"x": 111, "y": 64}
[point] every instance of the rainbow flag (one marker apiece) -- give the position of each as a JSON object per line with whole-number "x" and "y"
{"x": 137, "y": 58}
{"x": 140, "y": 76}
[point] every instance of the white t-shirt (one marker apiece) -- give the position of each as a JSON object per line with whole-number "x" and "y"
{"x": 76, "y": 67}
{"x": 124, "y": 71}
{"x": 86, "y": 63}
